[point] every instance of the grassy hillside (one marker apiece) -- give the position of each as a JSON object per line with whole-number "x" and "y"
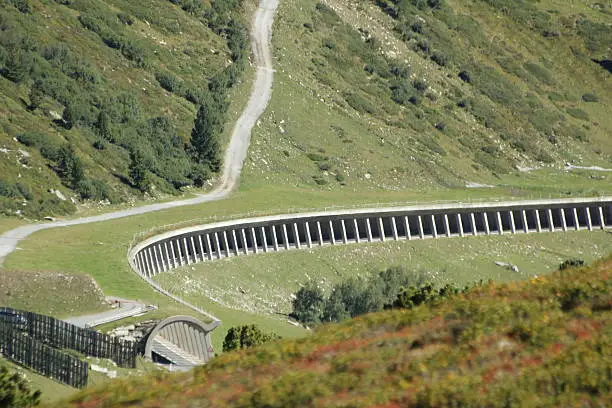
{"x": 98, "y": 98}
{"x": 541, "y": 343}
{"x": 427, "y": 94}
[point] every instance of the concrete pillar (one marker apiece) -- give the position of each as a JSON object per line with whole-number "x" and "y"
{"x": 589, "y": 221}
{"x": 181, "y": 244}
{"x": 308, "y": 237}
{"x": 226, "y": 242}
{"x": 264, "y": 239}
{"x": 320, "y": 233}
{"x": 369, "y": 229}
{"x": 576, "y": 220}
{"x": 357, "y": 237}
{"x": 201, "y": 247}
{"x": 394, "y": 228}
{"x": 538, "y": 223}
{"x": 447, "y": 225}
{"x": 332, "y": 236}
{"x": 254, "y": 238}
{"x": 274, "y": 237}
{"x": 285, "y": 236}
{"x": 154, "y": 263}
{"x": 407, "y": 226}
{"x": 434, "y": 229}
{"x": 193, "y": 248}
{"x": 168, "y": 265}
{"x": 173, "y": 253}
{"x": 525, "y": 224}
{"x": 186, "y": 246}
{"x": 551, "y": 221}
{"x": 149, "y": 268}
{"x": 157, "y": 256}
{"x": 602, "y": 221}
{"x": 218, "y": 245}
{"x": 473, "y": 223}
{"x": 344, "y": 237}
{"x": 140, "y": 263}
{"x": 500, "y": 226}
{"x": 381, "y": 228}
{"x": 460, "y": 224}
{"x": 209, "y": 250}
{"x": 297, "y": 235}
{"x": 245, "y": 243}
{"x": 235, "y": 241}
{"x": 180, "y": 252}
{"x": 420, "y": 225}
{"x": 563, "y": 220}
{"x": 512, "y": 223}
{"x": 486, "y": 223}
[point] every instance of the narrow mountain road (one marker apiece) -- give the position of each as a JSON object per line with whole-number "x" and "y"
{"x": 261, "y": 35}
{"x": 125, "y": 308}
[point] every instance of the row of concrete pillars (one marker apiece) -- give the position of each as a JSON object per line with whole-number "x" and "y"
{"x": 307, "y": 233}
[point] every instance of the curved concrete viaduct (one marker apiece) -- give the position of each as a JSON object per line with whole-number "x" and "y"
{"x": 205, "y": 243}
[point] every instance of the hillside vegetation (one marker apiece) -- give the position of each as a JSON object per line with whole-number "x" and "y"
{"x": 415, "y": 94}
{"x": 98, "y": 98}
{"x": 545, "y": 342}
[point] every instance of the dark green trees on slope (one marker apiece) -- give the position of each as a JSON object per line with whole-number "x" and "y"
{"x": 206, "y": 131}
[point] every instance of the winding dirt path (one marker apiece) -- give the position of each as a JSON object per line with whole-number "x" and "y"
{"x": 261, "y": 35}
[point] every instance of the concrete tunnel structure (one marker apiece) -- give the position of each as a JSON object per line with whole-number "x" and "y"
{"x": 207, "y": 243}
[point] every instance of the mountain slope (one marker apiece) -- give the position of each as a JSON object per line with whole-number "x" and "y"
{"x": 429, "y": 94}
{"x": 98, "y": 98}
{"x": 540, "y": 343}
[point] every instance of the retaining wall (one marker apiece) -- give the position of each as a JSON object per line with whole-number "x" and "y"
{"x": 206, "y": 243}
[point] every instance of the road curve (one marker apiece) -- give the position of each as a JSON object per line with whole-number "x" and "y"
{"x": 261, "y": 35}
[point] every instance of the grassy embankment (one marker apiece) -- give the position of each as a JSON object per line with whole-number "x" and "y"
{"x": 543, "y": 342}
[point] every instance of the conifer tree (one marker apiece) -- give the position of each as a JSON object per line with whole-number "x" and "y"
{"x": 205, "y": 134}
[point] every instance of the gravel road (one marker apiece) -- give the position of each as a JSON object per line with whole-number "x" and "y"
{"x": 261, "y": 34}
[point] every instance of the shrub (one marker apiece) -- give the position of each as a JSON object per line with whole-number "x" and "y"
{"x": 167, "y": 81}
{"x": 465, "y": 76}
{"x": 440, "y": 59}
{"x": 590, "y": 97}
{"x": 571, "y": 263}
{"x": 242, "y": 337}
{"x": 578, "y": 113}
{"x": 308, "y": 304}
{"x": 420, "y": 85}
{"x": 359, "y": 103}
{"x": 8, "y": 190}
{"x": 16, "y": 392}
{"x": 541, "y": 73}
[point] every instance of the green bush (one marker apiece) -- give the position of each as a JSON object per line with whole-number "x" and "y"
{"x": 359, "y": 103}
{"x": 15, "y": 391}
{"x": 243, "y": 337}
{"x": 578, "y": 113}
{"x": 541, "y": 73}
{"x": 590, "y": 97}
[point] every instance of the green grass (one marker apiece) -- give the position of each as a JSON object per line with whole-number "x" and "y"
{"x": 513, "y": 343}
{"x": 50, "y": 293}
{"x": 268, "y": 280}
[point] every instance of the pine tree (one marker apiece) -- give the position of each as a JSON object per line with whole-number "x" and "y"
{"x": 69, "y": 166}
{"x": 103, "y": 126}
{"x": 17, "y": 66}
{"x": 139, "y": 170}
{"x": 205, "y": 134}
{"x": 36, "y": 96}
